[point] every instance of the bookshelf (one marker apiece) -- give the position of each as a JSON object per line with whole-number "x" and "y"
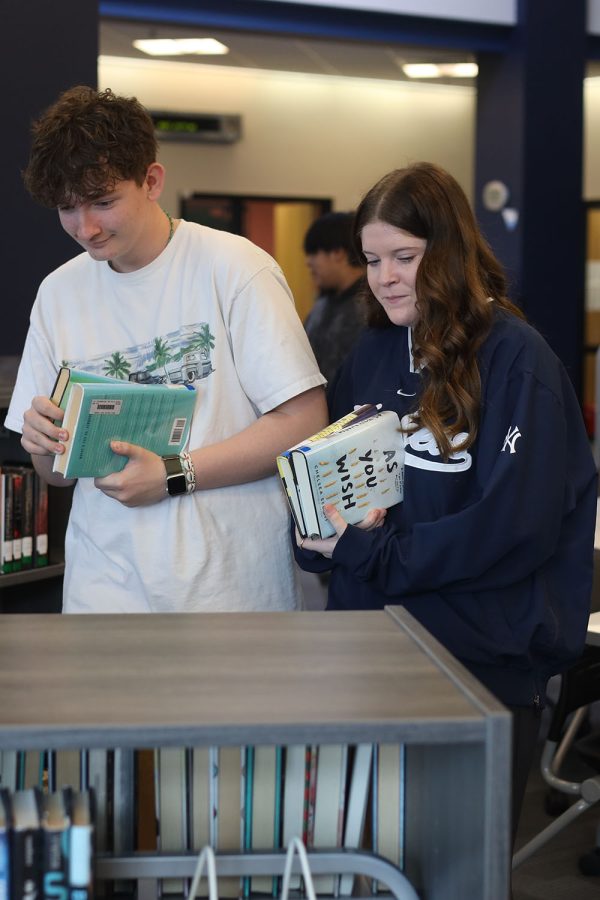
{"x": 135, "y": 681}
{"x": 15, "y": 593}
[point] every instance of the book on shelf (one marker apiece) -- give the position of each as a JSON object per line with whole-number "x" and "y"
{"x": 81, "y": 810}
{"x": 31, "y": 768}
{"x": 227, "y": 805}
{"x": 330, "y": 795}
{"x": 66, "y": 769}
{"x": 8, "y": 769}
{"x": 154, "y": 416}
{"x": 27, "y": 524}
{"x": 356, "y": 806}
{"x": 263, "y": 796}
{"x": 55, "y": 833}
{"x": 121, "y": 806}
{"x": 96, "y": 787}
{"x": 199, "y": 805}
{"x": 6, "y": 518}
{"x": 17, "y": 516}
{"x": 26, "y": 868}
{"x": 310, "y": 790}
{"x": 5, "y": 830}
{"x": 40, "y": 522}
{"x": 171, "y": 812}
{"x": 294, "y": 772}
{"x": 388, "y": 804}
{"x": 355, "y": 464}
{"x": 15, "y": 528}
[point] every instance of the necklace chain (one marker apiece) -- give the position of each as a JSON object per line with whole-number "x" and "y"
{"x": 171, "y": 226}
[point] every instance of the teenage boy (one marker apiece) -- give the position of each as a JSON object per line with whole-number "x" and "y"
{"x": 336, "y": 319}
{"x": 158, "y": 299}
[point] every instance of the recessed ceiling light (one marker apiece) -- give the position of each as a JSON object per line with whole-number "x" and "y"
{"x": 181, "y": 46}
{"x": 421, "y": 70}
{"x": 440, "y": 70}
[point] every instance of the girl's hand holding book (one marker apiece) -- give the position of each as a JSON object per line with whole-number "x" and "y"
{"x": 325, "y": 546}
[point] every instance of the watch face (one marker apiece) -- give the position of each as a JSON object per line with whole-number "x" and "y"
{"x": 176, "y": 483}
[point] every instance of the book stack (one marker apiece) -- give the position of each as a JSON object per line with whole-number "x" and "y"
{"x": 46, "y": 844}
{"x": 23, "y": 518}
{"x": 355, "y": 464}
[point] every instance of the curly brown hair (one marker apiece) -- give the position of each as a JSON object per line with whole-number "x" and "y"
{"x": 85, "y": 143}
{"x": 456, "y": 278}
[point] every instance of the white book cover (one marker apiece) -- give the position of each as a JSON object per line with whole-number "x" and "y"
{"x": 227, "y": 832}
{"x": 356, "y": 464}
{"x": 389, "y": 809}
{"x": 264, "y": 811}
{"x": 293, "y": 798}
{"x": 356, "y": 811}
{"x": 172, "y": 806}
{"x": 329, "y": 806}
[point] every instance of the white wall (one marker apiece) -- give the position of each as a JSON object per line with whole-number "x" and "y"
{"x": 303, "y": 135}
{"x": 498, "y": 11}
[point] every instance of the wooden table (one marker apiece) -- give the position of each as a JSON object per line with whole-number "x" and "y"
{"x": 172, "y": 680}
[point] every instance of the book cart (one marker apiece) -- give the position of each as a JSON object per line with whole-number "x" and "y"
{"x": 135, "y": 681}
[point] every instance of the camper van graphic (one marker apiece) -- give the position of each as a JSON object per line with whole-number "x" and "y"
{"x": 181, "y": 357}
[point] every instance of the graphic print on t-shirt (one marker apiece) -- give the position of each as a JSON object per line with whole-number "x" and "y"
{"x": 179, "y": 357}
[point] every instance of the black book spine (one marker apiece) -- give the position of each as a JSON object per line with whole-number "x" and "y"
{"x": 25, "y": 864}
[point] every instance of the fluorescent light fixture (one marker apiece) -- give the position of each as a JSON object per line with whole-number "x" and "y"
{"x": 181, "y": 46}
{"x": 440, "y": 70}
{"x": 461, "y": 70}
{"x": 421, "y": 70}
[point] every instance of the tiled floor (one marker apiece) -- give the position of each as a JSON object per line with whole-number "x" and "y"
{"x": 552, "y": 872}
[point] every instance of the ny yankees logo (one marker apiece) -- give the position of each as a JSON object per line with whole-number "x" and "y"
{"x": 512, "y": 436}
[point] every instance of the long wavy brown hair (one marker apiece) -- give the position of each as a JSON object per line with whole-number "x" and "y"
{"x": 456, "y": 278}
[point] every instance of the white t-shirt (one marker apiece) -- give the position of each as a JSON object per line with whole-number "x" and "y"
{"x": 215, "y": 310}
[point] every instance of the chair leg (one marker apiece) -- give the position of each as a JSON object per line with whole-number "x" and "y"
{"x": 572, "y": 813}
{"x": 589, "y": 863}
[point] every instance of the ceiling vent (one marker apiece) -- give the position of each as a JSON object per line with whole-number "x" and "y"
{"x": 209, "y": 128}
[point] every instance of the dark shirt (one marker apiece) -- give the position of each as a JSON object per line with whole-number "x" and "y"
{"x": 491, "y": 549}
{"x": 333, "y": 326}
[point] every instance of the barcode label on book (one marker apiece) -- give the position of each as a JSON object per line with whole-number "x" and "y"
{"x": 177, "y": 431}
{"x": 105, "y": 407}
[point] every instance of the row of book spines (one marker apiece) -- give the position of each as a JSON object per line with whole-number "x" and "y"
{"x": 219, "y": 796}
{"x": 46, "y": 845}
{"x": 23, "y": 518}
{"x": 318, "y": 793}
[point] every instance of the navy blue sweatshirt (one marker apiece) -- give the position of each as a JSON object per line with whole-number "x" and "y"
{"x": 491, "y": 550}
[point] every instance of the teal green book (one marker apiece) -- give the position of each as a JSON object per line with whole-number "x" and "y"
{"x": 67, "y": 377}
{"x": 154, "y": 416}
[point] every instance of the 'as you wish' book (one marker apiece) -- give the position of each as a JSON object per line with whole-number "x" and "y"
{"x": 100, "y": 409}
{"x": 356, "y": 464}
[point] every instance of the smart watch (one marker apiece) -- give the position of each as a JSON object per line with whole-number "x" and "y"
{"x": 176, "y": 480}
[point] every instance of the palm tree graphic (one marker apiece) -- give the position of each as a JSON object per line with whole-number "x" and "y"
{"x": 117, "y": 366}
{"x": 162, "y": 355}
{"x": 202, "y": 341}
